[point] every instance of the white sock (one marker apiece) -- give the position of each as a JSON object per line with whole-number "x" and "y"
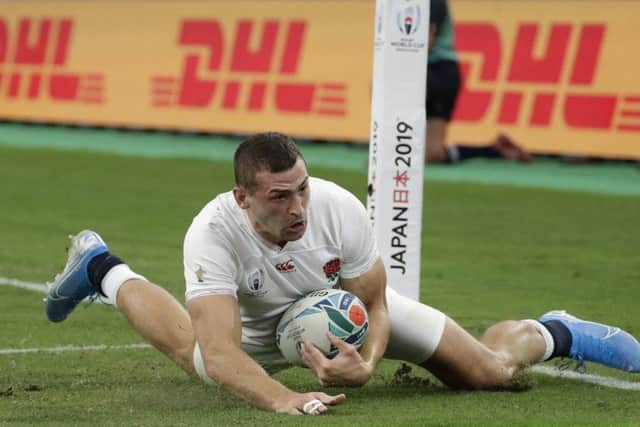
{"x": 548, "y": 339}
{"x": 114, "y": 279}
{"x": 453, "y": 153}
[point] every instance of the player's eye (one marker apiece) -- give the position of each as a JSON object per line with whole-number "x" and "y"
{"x": 280, "y": 197}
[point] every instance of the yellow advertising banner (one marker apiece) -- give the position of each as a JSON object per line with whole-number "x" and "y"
{"x": 560, "y": 76}
{"x": 231, "y": 66}
{"x": 557, "y": 75}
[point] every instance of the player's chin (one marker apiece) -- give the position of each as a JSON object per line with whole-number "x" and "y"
{"x": 295, "y": 231}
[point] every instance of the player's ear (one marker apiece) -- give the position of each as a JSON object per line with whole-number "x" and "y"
{"x": 240, "y": 194}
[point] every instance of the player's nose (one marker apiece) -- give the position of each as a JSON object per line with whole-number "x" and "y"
{"x": 296, "y": 207}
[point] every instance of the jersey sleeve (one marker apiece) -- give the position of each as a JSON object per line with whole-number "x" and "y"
{"x": 359, "y": 250}
{"x": 209, "y": 266}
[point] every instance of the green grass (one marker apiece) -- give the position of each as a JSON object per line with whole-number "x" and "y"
{"x": 489, "y": 253}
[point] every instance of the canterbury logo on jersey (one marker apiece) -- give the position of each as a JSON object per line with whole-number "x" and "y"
{"x": 286, "y": 267}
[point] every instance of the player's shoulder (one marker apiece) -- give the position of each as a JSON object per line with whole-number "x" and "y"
{"x": 217, "y": 211}
{"x": 329, "y": 195}
{"x": 217, "y": 218}
{"x": 324, "y": 188}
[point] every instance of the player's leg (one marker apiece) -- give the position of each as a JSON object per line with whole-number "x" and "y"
{"x": 427, "y": 337}
{"x": 92, "y": 271}
{"x": 462, "y": 361}
{"x": 436, "y": 151}
{"x": 509, "y": 149}
{"x": 594, "y": 342}
{"x": 508, "y": 346}
{"x": 159, "y": 318}
{"x": 442, "y": 90}
{"x": 443, "y": 87}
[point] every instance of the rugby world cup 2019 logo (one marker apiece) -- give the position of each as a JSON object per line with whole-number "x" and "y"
{"x": 255, "y": 284}
{"x": 256, "y": 280}
{"x": 410, "y": 28}
{"x": 408, "y": 19}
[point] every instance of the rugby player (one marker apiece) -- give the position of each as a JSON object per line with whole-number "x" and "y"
{"x": 443, "y": 88}
{"x": 277, "y": 235}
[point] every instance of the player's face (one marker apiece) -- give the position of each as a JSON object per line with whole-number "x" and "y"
{"x": 278, "y": 206}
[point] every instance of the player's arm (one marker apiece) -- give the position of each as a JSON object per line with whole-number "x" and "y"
{"x": 362, "y": 273}
{"x": 370, "y": 288}
{"x": 217, "y": 327}
{"x": 351, "y": 367}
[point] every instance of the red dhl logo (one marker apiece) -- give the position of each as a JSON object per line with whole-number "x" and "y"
{"x": 251, "y": 84}
{"x": 580, "y": 110}
{"x": 33, "y": 58}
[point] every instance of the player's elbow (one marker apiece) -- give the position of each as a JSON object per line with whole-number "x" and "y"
{"x": 214, "y": 372}
{"x": 219, "y": 373}
{"x": 219, "y": 365}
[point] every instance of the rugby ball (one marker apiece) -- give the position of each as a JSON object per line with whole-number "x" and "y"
{"x": 312, "y": 316}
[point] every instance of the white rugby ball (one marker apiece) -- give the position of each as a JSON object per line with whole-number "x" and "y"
{"x": 312, "y": 316}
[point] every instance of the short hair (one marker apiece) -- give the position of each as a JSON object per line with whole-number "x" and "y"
{"x": 270, "y": 151}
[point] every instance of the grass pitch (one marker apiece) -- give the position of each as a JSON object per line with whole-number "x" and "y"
{"x": 489, "y": 253}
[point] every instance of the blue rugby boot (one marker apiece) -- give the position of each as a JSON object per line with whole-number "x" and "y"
{"x": 595, "y": 342}
{"x": 73, "y": 284}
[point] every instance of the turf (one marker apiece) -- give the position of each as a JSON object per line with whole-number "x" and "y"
{"x": 489, "y": 253}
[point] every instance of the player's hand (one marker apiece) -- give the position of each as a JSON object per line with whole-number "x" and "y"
{"x": 314, "y": 403}
{"x": 346, "y": 369}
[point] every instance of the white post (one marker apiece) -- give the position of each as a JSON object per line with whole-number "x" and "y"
{"x": 396, "y": 150}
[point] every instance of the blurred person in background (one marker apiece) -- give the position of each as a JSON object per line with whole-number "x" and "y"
{"x": 443, "y": 87}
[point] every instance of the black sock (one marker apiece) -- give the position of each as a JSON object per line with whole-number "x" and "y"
{"x": 470, "y": 152}
{"x": 561, "y": 338}
{"x": 99, "y": 266}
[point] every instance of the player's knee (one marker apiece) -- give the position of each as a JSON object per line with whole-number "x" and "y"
{"x": 488, "y": 374}
{"x": 436, "y": 153}
{"x": 527, "y": 328}
{"x": 437, "y": 157}
{"x": 498, "y": 330}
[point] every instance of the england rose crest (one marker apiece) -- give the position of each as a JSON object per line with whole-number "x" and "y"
{"x": 332, "y": 269}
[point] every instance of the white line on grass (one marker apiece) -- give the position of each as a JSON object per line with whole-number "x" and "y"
{"x": 38, "y": 287}
{"x": 61, "y": 349}
{"x": 588, "y": 378}
{"x": 545, "y": 370}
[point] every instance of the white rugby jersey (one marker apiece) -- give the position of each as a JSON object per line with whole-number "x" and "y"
{"x": 223, "y": 255}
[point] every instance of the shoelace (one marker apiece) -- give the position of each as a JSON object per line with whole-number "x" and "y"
{"x": 580, "y": 367}
{"x": 566, "y": 363}
{"x": 92, "y": 297}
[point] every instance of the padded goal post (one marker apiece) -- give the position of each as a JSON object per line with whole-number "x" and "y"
{"x": 397, "y": 138}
